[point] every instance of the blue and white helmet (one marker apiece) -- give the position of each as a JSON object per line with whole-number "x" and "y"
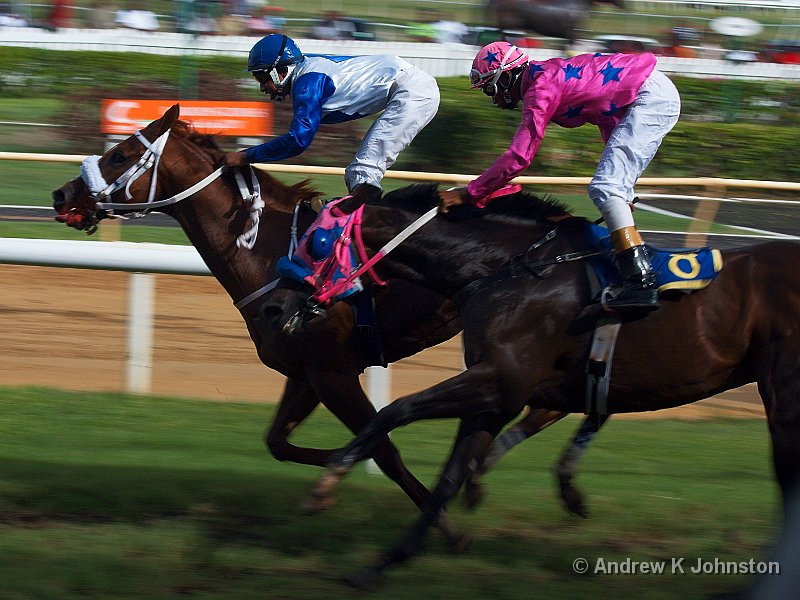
{"x": 273, "y": 52}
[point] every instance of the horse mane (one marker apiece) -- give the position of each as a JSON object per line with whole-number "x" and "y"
{"x": 290, "y": 194}
{"x": 421, "y": 197}
{"x": 188, "y": 132}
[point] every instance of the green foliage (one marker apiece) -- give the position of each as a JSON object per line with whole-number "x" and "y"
{"x": 737, "y": 129}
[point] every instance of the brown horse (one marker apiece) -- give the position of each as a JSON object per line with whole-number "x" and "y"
{"x": 325, "y": 363}
{"x": 527, "y": 333}
{"x": 322, "y": 365}
{"x": 554, "y": 18}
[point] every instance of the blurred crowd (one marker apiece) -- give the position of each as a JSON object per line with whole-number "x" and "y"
{"x": 219, "y": 17}
{"x": 685, "y": 38}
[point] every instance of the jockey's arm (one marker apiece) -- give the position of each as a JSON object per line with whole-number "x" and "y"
{"x": 537, "y": 110}
{"x": 309, "y": 93}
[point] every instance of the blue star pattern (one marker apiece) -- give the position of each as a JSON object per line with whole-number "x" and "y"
{"x": 612, "y": 109}
{"x": 572, "y": 72}
{"x": 573, "y": 111}
{"x": 610, "y": 73}
{"x": 536, "y": 68}
{"x": 491, "y": 58}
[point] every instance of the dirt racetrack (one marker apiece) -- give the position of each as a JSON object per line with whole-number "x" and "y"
{"x": 66, "y": 328}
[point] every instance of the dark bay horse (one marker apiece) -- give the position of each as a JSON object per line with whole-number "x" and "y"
{"x": 323, "y": 365}
{"x": 527, "y": 336}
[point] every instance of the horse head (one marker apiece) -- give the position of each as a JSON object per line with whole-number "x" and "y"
{"x": 78, "y": 202}
{"x": 169, "y": 167}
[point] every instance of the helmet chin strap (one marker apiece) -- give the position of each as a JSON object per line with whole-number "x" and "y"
{"x": 281, "y": 85}
{"x": 507, "y": 98}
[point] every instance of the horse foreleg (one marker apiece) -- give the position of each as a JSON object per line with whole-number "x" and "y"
{"x": 531, "y": 424}
{"x": 471, "y": 392}
{"x": 296, "y": 404}
{"x": 567, "y": 466}
{"x": 345, "y": 398}
{"x": 472, "y": 441}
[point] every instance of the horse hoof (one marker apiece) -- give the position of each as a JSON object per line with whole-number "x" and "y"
{"x": 365, "y": 579}
{"x": 461, "y": 543}
{"x": 322, "y": 496}
{"x": 574, "y": 502}
{"x": 315, "y": 503}
{"x": 474, "y": 493}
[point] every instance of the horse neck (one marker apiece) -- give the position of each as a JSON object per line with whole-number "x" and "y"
{"x": 446, "y": 255}
{"x": 214, "y": 218}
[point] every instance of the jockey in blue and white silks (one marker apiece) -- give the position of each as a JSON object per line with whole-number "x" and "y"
{"x": 335, "y": 89}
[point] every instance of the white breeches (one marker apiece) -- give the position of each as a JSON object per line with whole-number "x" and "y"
{"x": 631, "y": 146}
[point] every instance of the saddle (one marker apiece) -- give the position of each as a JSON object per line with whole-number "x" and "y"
{"x": 684, "y": 269}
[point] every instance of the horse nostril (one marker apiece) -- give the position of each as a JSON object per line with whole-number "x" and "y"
{"x": 274, "y": 315}
{"x": 59, "y": 200}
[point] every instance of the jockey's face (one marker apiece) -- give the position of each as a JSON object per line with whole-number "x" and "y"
{"x": 268, "y": 86}
{"x": 508, "y": 98}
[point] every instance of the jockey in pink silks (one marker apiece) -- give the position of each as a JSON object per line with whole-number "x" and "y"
{"x": 632, "y": 104}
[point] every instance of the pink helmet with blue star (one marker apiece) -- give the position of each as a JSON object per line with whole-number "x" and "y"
{"x": 492, "y": 61}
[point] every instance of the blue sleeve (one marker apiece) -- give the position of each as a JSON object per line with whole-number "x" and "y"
{"x": 309, "y": 93}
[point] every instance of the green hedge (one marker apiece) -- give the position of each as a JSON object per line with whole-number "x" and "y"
{"x": 468, "y": 133}
{"x": 738, "y": 129}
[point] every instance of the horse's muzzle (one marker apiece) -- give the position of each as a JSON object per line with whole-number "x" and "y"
{"x": 83, "y": 218}
{"x": 287, "y": 310}
{"x": 297, "y": 323}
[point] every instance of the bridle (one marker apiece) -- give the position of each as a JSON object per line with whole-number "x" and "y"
{"x": 101, "y": 190}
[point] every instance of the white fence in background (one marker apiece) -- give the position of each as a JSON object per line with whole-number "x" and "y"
{"x": 142, "y": 259}
{"x": 440, "y": 60}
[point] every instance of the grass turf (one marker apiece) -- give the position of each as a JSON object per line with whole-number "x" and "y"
{"x": 115, "y": 496}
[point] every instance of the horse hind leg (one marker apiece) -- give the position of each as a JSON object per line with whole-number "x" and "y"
{"x": 567, "y": 465}
{"x": 531, "y": 424}
{"x": 779, "y": 386}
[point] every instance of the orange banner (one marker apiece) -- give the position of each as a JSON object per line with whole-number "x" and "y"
{"x": 235, "y": 119}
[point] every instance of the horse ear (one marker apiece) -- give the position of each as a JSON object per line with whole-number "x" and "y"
{"x": 160, "y": 126}
{"x": 171, "y": 116}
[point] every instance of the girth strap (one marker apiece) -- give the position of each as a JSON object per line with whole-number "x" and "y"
{"x": 598, "y": 367}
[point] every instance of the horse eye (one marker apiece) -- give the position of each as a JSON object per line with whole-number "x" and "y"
{"x": 117, "y": 158}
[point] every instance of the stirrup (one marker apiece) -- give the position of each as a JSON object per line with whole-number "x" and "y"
{"x": 622, "y": 299}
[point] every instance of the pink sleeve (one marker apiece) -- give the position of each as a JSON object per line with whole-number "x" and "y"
{"x": 539, "y": 104}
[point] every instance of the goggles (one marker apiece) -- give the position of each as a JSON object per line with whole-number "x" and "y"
{"x": 503, "y": 81}
{"x": 493, "y": 79}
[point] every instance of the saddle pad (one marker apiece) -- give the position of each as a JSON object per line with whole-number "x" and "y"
{"x": 325, "y": 255}
{"x": 675, "y": 269}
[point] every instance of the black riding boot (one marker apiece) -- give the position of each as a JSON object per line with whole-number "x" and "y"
{"x": 361, "y": 194}
{"x": 638, "y": 291}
